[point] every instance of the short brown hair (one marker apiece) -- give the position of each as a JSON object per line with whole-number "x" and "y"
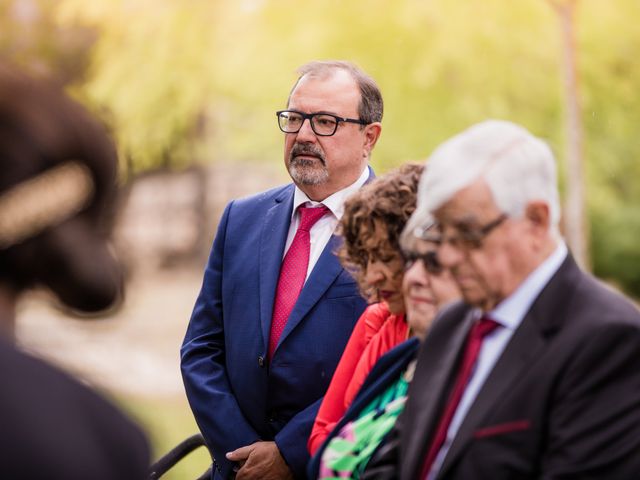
{"x": 371, "y": 107}
{"x": 388, "y": 201}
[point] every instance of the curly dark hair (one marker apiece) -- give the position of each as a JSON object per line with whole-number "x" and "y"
{"x": 387, "y": 202}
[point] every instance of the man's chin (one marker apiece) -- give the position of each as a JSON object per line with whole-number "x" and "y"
{"x": 474, "y": 297}
{"x": 308, "y": 176}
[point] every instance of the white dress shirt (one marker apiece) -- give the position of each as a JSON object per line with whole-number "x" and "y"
{"x": 509, "y": 315}
{"x": 321, "y": 232}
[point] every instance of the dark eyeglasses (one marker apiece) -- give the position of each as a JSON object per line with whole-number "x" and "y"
{"x": 322, "y": 124}
{"x": 429, "y": 260}
{"x": 467, "y": 237}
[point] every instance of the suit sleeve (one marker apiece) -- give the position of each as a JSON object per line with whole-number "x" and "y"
{"x": 214, "y": 406}
{"x": 594, "y": 429}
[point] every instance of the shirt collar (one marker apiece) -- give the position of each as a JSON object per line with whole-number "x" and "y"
{"x": 511, "y": 311}
{"x": 335, "y": 201}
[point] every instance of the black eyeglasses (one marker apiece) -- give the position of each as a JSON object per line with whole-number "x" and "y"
{"x": 429, "y": 260}
{"x": 467, "y": 237}
{"x": 322, "y": 124}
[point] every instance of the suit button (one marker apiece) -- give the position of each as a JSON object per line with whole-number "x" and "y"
{"x": 261, "y": 361}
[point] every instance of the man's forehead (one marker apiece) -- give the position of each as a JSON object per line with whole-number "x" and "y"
{"x": 327, "y": 92}
{"x": 468, "y": 204}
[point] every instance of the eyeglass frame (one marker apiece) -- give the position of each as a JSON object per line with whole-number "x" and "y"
{"x": 429, "y": 261}
{"x": 472, "y": 239}
{"x": 310, "y": 117}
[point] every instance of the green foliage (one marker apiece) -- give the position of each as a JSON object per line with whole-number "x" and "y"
{"x": 187, "y": 80}
{"x": 611, "y": 80}
{"x": 615, "y": 251}
{"x": 148, "y": 73}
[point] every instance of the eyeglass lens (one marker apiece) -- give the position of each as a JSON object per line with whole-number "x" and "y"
{"x": 429, "y": 260}
{"x": 321, "y": 124}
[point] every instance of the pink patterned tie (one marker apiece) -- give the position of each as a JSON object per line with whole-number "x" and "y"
{"x": 480, "y": 329}
{"x": 293, "y": 273}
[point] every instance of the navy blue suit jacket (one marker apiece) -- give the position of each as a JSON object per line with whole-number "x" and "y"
{"x": 385, "y": 373}
{"x": 237, "y": 398}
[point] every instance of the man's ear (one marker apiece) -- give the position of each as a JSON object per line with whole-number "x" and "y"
{"x": 538, "y": 216}
{"x": 371, "y": 135}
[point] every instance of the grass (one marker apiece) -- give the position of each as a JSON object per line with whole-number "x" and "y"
{"x": 167, "y": 422}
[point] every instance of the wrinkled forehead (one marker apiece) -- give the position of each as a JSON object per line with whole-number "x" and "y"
{"x": 474, "y": 200}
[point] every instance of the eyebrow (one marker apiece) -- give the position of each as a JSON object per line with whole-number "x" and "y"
{"x": 468, "y": 220}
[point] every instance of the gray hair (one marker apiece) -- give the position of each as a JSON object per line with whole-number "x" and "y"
{"x": 517, "y": 166}
{"x": 371, "y": 106}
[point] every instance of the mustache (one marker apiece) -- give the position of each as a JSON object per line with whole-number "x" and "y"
{"x": 308, "y": 150}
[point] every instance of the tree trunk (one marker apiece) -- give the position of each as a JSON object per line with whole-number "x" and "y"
{"x": 575, "y": 219}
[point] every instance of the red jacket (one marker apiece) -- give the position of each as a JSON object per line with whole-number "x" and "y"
{"x": 376, "y": 332}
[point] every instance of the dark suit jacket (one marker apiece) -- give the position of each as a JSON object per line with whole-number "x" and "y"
{"x": 236, "y": 397}
{"x": 385, "y": 373}
{"x": 53, "y": 427}
{"x": 562, "y": 401}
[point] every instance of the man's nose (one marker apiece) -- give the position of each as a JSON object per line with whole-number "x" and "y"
{"x": 306, "y": 133}
{"x": 448, "y": 255}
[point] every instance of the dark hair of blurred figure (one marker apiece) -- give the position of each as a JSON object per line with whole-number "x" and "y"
{"x": 57, "y": 191}
{"x": 58, "y": 173}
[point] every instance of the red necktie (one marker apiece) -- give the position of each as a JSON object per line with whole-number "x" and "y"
{"x": 293, "y": 273}
{"x": 479, "y": 330}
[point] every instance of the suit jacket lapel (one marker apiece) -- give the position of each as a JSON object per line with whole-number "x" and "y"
{"x": 520, "y": 353}
{"x": 431, "y": 385}
{"x": 275, "y": 227}
{"x": 325, "y": 271}
{"x": 545, "y": 317}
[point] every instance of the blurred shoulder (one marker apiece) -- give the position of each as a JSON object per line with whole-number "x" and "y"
{"x": 62, "y": 427}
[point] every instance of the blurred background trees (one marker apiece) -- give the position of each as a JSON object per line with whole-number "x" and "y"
{"x": 189, "y": 89}
{"x": 187, "y": 82}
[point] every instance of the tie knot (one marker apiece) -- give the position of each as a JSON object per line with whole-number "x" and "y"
{"x": 484, "y": 327}
{"x": 309, "y": 216}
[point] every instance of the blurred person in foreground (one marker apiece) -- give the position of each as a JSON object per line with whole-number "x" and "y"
{"x": 537, "y": 375}
{"x": 57, "y": 190}
{"x": 373, "y": 220}
{"x": 427, "y": 288}
{"x": 276, "y": 308}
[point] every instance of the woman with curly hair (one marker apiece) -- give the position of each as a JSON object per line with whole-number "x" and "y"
{"x": 371, "y": 226}
{"x": 377, "y": 390}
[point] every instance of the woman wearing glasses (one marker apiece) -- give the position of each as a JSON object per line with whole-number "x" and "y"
{"x": 373, "y": 219}
{"x": 427, "y": 287}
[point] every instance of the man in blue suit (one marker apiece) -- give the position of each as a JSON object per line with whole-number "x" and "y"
{"x": 255, "y": 384}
